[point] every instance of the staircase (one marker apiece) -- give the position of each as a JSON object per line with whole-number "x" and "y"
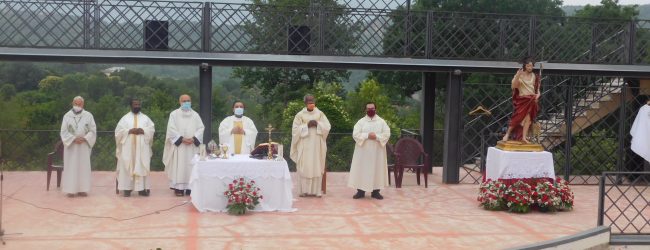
{"x": 589, "y": 107}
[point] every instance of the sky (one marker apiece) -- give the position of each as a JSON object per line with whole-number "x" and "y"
{"x": 597, "y": 2}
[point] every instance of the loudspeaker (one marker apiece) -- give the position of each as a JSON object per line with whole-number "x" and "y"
{"x": 299, "y": 40}
{"x": 156, "y": 35}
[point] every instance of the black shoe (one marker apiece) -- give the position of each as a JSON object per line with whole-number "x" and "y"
{"x": 375, "y": 194}
{"x": 127, "y": 193}
{"x": 178, "y": 192}
{"x": 188, "y": 192}
{"x": 144, "y": 192}
{"x": 360, "y": 194}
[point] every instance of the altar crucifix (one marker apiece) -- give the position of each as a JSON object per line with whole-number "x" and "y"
{"x": 270, "y": 146}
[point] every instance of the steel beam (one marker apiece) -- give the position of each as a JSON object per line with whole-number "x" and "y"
{"x": 307, "y": 61}
{"x": 451, "y": 159}
{"x": 205, "y": 99}
{"x": 427, "y": 112}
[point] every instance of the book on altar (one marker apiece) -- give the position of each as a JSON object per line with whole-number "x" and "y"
{"x": 261, "y": 151}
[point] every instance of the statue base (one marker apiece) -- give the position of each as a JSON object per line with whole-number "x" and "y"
{"x": 519, "y": 146}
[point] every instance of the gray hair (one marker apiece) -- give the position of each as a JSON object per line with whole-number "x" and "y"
{"x": 304, "y": 99}
{"x": 78, "y": 98}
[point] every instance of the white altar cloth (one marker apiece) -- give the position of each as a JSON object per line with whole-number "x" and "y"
{"x": 210, "y": 179}
{"x": 514, "y": 165}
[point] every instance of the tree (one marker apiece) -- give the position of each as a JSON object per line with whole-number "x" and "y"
{"x": 371, "y": 91}
{"x": 401, "y": 84}
{"x": 609, "y": 9}
{"x": 274, "y": 19}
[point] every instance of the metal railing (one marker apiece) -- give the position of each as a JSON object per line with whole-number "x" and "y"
{"x": 624, "y": 203}
{"x": 349, "y": 28}
{"x": 586, "y": 122}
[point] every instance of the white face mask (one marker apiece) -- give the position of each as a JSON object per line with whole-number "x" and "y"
{"x": 77, "y": 109}
{"x": 239, "y": 111}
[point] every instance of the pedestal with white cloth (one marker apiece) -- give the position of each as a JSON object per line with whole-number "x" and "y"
{"x": 210, "y": 179}
{"x": 502, "y": 164}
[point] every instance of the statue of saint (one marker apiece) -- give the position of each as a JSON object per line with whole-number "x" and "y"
{"x": 525, "y": 97}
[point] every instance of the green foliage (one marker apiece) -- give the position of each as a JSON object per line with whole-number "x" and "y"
{"x": 371, "y": 91}
{"x": 592, "y": 153}
{"x": 537, "y": 7}
{"x": 609, "y": 9}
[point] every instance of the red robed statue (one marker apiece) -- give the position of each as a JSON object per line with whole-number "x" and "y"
{"x": 525, "y": 97}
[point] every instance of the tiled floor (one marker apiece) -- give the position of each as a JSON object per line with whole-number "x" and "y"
{"x": 439, "y": 217}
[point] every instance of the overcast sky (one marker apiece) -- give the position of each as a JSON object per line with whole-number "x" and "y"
{"x": 597, "y": 2}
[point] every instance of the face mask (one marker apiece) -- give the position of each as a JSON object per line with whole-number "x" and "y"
{"x": 135, "y": 110}
{"x": 77, "y": 109}
{"x": 239, "y": 111}
{"x": 311, "y": 106}
{"x": 186, "y": 106}
{"x": 370, "y": 112}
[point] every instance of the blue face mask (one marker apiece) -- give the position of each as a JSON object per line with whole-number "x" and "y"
{"x": 239, "y": 111}
{"x": 186, "y": 106}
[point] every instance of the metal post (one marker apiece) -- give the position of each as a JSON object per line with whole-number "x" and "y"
{"x": 206, "y": 27}
{"x": 594, "y": 43}
{"x": 568, "y": 118}
{"x": 205, "y": 99}
{"x": 601, "y": 199}
{"x": 429, "y": 39}
{"x": 631, "y": 43}
{"x": 502, "y": 38}
{"x": 86, "y": 20}
{"x": 531, "y": 36}
{"x": 620, "y": 160}
{"x": 453, "y": 128}
{"x": 97, "y": 25}
{"x": 321, "y": 31}
{"x": 407, "y": 30}
{"x": 427, "y": 113}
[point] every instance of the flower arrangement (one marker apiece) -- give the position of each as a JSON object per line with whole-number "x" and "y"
{"x": 490, "y": 194}
{"x": 521, "y": 195}
{"x": 565, "y": 194}
{"x": 242, "y": 195}
{"x": 546, "y": 196}
{"x": 518, "y": 197}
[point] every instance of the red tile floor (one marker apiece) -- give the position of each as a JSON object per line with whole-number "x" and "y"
{"x": 413, "y": 217}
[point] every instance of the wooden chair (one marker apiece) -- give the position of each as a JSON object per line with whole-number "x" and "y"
{"x": 410, "y": 154}
{"x": 390, "y": 157}
{"x": 51, "y": 164}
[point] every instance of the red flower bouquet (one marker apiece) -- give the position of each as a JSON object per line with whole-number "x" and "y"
{"x": 517, "y": 197}
{"x": 491, "y": 194}
{"x": 565, "y": 194}
{"x": 546, "y": 196}
{"x": 242, "y": 195}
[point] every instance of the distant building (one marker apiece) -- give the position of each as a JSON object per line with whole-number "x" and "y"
{"x": 112, "y": 70}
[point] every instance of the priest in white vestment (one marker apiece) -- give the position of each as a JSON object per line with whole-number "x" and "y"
{"x": 640, "y": 132}
{"x": 133, "y": 142}
{"x": 238, "y": 131}
{"x": 78, "y": 134}
{"x": 369, "y": 170}
{"x": 184, "y": 135}
{"x": 309, "y": 148}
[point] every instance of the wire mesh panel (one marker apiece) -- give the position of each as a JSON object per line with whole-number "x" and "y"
{"x": 58, "y": 24}
{"x": 640, "y": 36}
{"x": 624, "y": 203}
{"x": 174, "y": 25}
{"x": 482, "y": 131}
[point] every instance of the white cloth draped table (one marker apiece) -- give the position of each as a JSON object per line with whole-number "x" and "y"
{"x": 514, "y": 165}
{"x": 210, "y": 179}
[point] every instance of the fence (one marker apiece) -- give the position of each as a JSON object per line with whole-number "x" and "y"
{"x": 349, "y": 28}
{"x": 624, "y": 203}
